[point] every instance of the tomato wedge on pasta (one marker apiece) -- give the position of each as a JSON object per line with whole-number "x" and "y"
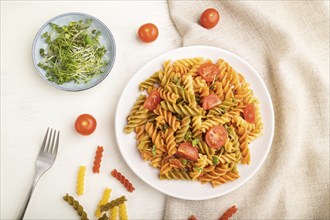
{"x": 250, "y": 113}
{"x": 216, "y": 137}
{"x": 209, "y": 71}
{"x": 152, "y": 101}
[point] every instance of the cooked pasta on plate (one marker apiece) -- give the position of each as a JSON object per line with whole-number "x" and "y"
{"x": 196, "y": 120}
{"x": 195, "y": 115}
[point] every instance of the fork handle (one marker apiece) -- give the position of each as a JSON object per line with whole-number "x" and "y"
{"x": 28, "y": 197}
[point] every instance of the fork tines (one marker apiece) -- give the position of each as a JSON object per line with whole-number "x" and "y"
{"x": 50, "y": 142}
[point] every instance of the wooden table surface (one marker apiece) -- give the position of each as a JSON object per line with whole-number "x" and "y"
{"x": 29, "y": 106}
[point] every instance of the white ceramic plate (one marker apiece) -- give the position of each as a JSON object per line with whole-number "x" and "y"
{"x": 106, "y": 39}
{"x": 193, "y": 190}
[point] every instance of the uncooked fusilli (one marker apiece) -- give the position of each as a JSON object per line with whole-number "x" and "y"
{"x": 229, "y": 213}
{"x": 81, "y": 180}
{"x": 76, "y": 206}
{"x": 103, "y": 201}
{"x": 113, "y": 203}
{"x": 98, "y": 158}
{"x": 123, "y": 180}
{"x": 123, "y": 212}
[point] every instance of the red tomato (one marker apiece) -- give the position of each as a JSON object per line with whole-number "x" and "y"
{"x": 216, "y": 137}
{"x": 175, "y": 163}
{"x": 209, "y": 18}
{"x": 85, "y": 124}
{"x": 250, "y": 113}
{"x": 210, "y": 101}
{"x": 187, "y": 151}
{"x": 208, "y": 71}
{"x": 152, "y": 101}
{"x": 148, "y": 32}
{"x": 192, "y": 217}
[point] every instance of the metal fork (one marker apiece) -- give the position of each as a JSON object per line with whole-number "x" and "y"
{"x": 45, "y": 160}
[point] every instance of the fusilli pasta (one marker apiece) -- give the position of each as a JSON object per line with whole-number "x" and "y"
{"x": 97, "y": 160}
{"x": 81, "y": 180}
{"x": 123, "y": 180}
{"x": 200, "y": 128}
{"x": 104, "y": 200}
{"x": 123, "y": 212}
{"x": 76, "y": 206}
{"x": 229, "y": 213}
{"x": 113, "y": 203}
{"x": 113, "y": 213}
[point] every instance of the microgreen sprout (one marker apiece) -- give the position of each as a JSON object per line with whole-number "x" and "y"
{"x": 74, "y": 53}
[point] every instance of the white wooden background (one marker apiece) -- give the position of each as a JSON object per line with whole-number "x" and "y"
{"x": 29, "y": 106}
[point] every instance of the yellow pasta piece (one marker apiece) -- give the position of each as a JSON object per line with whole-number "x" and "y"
{"x": 167, "y": 95}
{"x": 114, "y": 213}
{"x": 230, "y": 176}
{"x": 123, "y": 212}
{"x": 168, "y": 117}
{"x": 81, "y": 180}
{"x": 103, "y": 201}
{"x": 199, "y": 166}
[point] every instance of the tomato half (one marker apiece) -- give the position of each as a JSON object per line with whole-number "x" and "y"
{"x": 208, "y": 71}
{"x": 85, "y": 124}
{"x": 209, "y": 18}
{"x": 250, "y": 113}
{"x": 148, "y": 32}
{"x": 216, "y": 137}
{"x": 210, "y": 101}
{"x": 187, "y": 151}
{"x": 152, "y": 101}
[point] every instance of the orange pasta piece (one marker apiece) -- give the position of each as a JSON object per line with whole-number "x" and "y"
{"x": 232, "y": 210}
{"x": 123, "y": 180}
{"x": 98, "y": 158}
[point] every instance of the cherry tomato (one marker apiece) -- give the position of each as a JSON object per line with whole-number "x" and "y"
{"x": 210, "y": 101}
{"x": 192, "y": 217}
{"x": 85, "y": 124}
{"x": 175, "y": 163}
{"x": 148, "y": 32}
{"x": 208, "y": 71}
{"x": 209, "y": 18}
{"x": 152, "y": 101}
{"x": 187, "y": 151}
{"x": 216, "y": 137}
{"x": 250, "y": 113}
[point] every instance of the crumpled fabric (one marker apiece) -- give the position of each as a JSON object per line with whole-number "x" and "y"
{"x": 287, "y": 42}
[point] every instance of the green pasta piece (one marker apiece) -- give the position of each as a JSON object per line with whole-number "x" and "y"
{"x": 183, "y": 130}
{"x": 76, "y": 206}
{"x": 104, "y": 217}
{"x": 113, "y": 203}
{"x": 150, "y": 82}
{"x": 181, "y": 109}
{"x": 175, "y": 174}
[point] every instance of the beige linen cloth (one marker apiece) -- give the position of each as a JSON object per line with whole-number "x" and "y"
{"x": 288, "y": 44}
